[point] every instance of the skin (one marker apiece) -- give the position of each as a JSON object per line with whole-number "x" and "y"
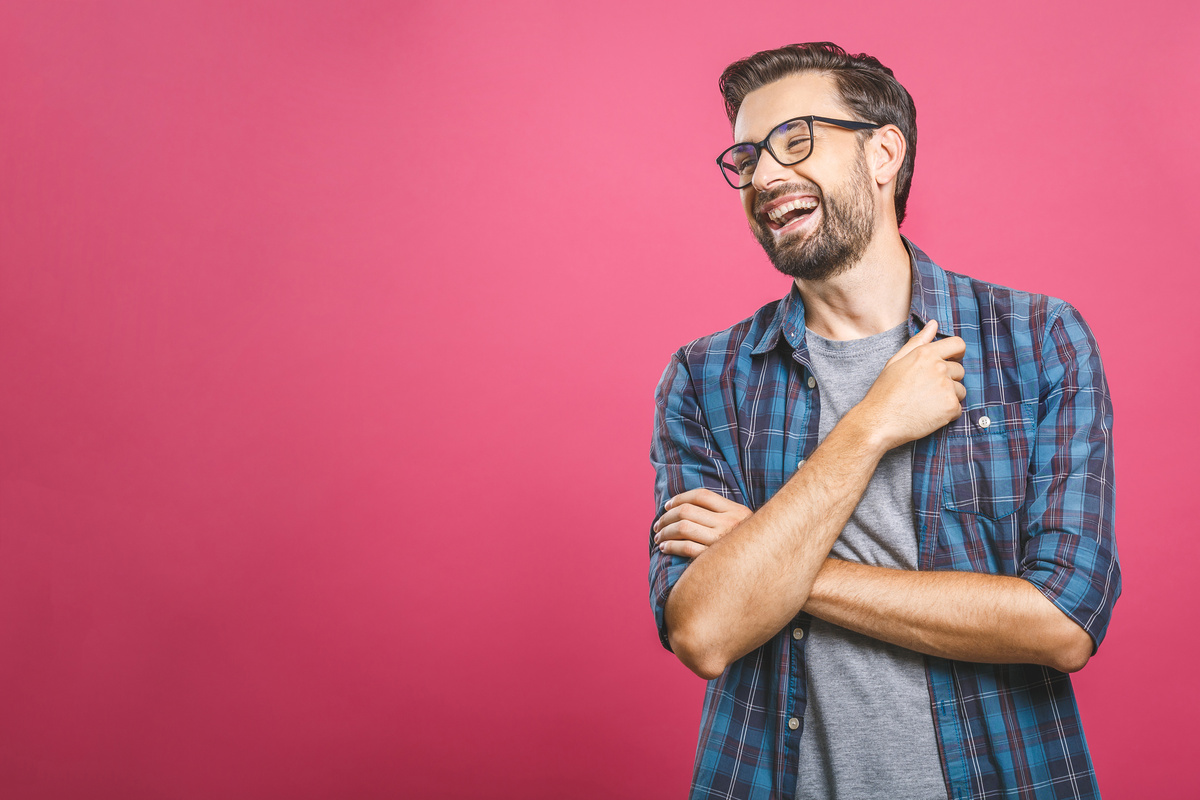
{"x": 753, "y": 572}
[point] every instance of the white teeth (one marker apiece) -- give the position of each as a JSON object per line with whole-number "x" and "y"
{"x": 779, "y": 211}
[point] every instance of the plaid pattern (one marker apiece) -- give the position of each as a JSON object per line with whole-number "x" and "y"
{"x": 1028, "y": 492}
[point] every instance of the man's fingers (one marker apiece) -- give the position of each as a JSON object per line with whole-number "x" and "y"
{"x": 686, "y": 529}
{"x": 689, "y": 513}
{"x": 682, "y": 547}
{"x": 705, "y": 498}
{"x": 950, "y": 349}
{"x": 924, "y": 336}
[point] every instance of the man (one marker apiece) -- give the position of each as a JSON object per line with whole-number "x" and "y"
{"x": 885, "y": 502}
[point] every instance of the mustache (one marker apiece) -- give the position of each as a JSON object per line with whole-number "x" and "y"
{"x": 788, "y": 188}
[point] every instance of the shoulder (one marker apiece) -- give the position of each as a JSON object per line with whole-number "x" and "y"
{"x": 1015, "y": 336}
{"x": 998, "y": 316}
{"x": 725, "y": 350}
{"x": 718, "y": 364}
{"x": 976, "y": 299}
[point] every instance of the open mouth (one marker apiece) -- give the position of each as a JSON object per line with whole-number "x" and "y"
{"x": 787, "y": 215}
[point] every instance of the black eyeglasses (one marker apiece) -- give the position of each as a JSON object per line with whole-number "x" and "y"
{"x": 789, "y": 143}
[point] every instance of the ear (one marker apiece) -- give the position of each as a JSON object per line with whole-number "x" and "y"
{"x": 885, "y": 154}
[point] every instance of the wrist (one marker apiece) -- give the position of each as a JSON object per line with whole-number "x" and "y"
{"x": 865, "y": 427}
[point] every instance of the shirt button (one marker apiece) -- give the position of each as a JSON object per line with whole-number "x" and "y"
{"x": 793, "y": 723}
{"x": 984, "y": 421}
{"x": 797, "y": 633}
{"x": 800, "y": 463}
{"x": 811, "y": 381}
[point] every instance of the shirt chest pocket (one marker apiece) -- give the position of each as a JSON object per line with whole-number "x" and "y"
{"x": 986, "y": 459}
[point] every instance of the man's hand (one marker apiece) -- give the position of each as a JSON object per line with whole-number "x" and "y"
{"x": 919, "y": 389}
{"x": 694, "y": 520}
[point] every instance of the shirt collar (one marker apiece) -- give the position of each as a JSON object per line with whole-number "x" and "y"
{"x": 930, "y": 300}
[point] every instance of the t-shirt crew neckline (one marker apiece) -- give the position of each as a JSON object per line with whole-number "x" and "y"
{"x": 867, "y": 344}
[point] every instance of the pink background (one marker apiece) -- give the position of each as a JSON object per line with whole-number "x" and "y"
{"x": 328, "y": 338}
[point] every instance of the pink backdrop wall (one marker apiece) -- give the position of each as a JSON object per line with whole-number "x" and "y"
{"x": 329, "y": 337}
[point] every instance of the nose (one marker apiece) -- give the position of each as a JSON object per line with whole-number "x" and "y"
{"x": 769, "y": 171}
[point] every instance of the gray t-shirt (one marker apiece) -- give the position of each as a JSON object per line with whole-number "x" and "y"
{"x": 868, "y": 727}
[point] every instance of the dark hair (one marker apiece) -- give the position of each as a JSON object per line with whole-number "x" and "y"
{"x": 868, "y": 88}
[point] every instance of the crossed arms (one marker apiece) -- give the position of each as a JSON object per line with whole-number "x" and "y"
{"x": 751, "y": 573}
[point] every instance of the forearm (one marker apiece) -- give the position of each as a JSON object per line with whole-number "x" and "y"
{"x": 967, "y": 616}
{"x": 739, "y": 592}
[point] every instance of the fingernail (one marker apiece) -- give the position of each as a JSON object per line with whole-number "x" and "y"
{"x": 662, "y": 547}
{"x": 668, "y": 505}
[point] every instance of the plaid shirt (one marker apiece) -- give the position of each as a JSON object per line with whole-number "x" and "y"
{"x": 1021, "y": 484}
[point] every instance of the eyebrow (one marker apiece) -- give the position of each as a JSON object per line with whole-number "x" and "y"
{"x": 774, "y": 127}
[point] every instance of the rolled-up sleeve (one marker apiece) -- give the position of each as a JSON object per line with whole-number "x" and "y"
{"x": 685, "y": 456}
{"x": 1070, "y": 554}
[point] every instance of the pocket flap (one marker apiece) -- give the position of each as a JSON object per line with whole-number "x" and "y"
{"x": 987, "y": 458}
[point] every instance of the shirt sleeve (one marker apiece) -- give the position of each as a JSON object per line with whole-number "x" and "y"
{"x": 685, "y": 456}
{"x": 1070, "y": 554}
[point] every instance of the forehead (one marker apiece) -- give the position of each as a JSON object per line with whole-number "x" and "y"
{"x": 795, "y": 95}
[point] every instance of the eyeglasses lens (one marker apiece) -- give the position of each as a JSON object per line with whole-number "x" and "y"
{"x": 791, "y": 143}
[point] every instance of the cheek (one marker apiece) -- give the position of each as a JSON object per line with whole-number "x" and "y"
{"x": 748, "y": 203}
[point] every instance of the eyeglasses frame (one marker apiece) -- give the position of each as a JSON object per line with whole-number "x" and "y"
{"x": 765, "y": 144}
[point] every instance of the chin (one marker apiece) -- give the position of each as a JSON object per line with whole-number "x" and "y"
{"x": 812, "y": 260}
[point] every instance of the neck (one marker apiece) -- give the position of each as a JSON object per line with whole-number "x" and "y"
{"x": 871, "y": 297}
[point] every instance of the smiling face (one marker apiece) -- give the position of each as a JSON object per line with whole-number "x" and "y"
{"x": 814, "y": 219}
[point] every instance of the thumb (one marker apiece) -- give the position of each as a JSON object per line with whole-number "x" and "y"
{"x": 924, "y": 336}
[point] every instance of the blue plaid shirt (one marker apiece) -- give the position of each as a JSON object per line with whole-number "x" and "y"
{"x": 1021, "y": 484}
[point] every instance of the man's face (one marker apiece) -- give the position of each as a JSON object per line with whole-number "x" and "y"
{"x": 834, "y": 220}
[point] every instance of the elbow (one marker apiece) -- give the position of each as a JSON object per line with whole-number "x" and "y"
{"x": 1071, "y": 663}
{"x": 692, "y": 641}
{"x": 703, "y": 660}
{"x": 1075, "y": 650}
{"x": 1060, "y": 642}
{"x": 709, "y": 670}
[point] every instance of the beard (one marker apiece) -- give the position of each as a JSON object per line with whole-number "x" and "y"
{"x": 846, "y": 228}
